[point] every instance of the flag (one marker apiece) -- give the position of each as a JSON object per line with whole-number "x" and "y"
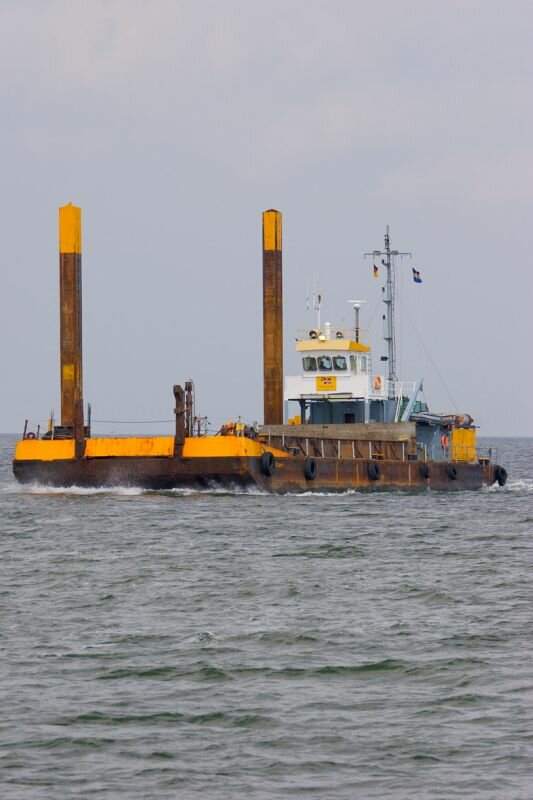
{"x": 376, "y": 271}
{"x": 416, "y": 276}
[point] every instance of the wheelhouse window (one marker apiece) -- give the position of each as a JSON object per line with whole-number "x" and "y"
{"x": 309, "y": 363}
{"x": 339, "y": 362}
{"x": 353, "y": 364}
{"x": 324, "y": 363}
{"x": 363, "y": 363}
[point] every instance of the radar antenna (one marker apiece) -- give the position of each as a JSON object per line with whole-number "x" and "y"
{"x": 317, "y": 302}
{"x": 356, "y": 307}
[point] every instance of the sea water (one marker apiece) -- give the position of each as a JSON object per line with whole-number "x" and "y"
{"x": 238, "y": 645}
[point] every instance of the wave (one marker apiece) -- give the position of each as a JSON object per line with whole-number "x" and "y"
{"x": 223, "y": 718}
{"x": 39, "y": 488}
{"x": 519, "y": 485}
{"x": 127, "y": 491}
{"x": 524, "y": 485}
{"x": 212, "y": 489}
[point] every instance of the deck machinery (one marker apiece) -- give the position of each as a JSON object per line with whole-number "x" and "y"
{"x": 356, "y": 429}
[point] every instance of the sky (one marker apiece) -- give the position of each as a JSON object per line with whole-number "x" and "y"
{"x": 175, "y": 124}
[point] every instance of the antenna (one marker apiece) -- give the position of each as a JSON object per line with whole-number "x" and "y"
{"x": 317, "y": 300}
{"x": 389, "y": 298}
{"x": 356, "y": 307}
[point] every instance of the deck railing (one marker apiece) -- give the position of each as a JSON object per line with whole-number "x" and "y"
{"x": 461, "y": 453}
{"x": 361, "y": 335}
{"x": 401, "y": 451}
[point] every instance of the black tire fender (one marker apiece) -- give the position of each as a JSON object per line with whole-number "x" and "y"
{"x": 500, "y": 474}
{"x": 374, "y": 471}
{"x": 452, "y": 473}
{"x": 267, "y": 463}
{"x": 425, "y": 471}
{"x": 310, "y": 469}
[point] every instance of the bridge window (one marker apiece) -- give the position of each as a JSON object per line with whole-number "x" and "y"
{"x": 353, "y": 363}
{"x": 309, "y": 363}
{"x": 363, "y": 363}
{"x": 339, "y": 362}
{"x": 324, "y": 363}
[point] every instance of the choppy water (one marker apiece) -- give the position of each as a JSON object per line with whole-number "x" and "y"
{"x": 165, "y": 644}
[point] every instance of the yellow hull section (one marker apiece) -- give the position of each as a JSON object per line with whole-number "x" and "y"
{"x": 44, "y": 450}
{"x": 148, "y": 446}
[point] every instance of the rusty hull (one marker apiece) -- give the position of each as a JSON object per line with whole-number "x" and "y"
{"x": 332, "y": 474}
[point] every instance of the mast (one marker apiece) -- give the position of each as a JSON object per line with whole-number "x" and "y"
{"x": 389, "y": 298}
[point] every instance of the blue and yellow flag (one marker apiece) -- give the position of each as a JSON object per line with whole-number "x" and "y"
{"x": 416, "y": 276}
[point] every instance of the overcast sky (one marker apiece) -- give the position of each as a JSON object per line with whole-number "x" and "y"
{"x": 175, "y": 124}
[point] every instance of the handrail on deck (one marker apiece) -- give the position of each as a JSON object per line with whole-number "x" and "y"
{"x": 361, "y": 335}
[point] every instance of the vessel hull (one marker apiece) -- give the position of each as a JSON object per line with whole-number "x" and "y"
{"x": 332, "y": 474}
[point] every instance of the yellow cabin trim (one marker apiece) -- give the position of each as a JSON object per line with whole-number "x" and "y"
{"x": 70, "y": 229}
{"x": 331, "y": 344}
{"x": 271, "y": 230}
{"x": 138, "y": 446}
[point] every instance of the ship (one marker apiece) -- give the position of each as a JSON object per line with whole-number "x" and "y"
{"x": 356, "y": 428}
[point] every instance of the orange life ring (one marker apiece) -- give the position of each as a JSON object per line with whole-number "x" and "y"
{"x": 377, "y": 382}
{"x": 444, "y": 440}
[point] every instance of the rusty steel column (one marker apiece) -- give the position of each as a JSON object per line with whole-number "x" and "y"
{"x": 70, "y": 321}
{"x": 272, "y": 319}
{"x": 189, "y": 408}
{"x": 179, "y": 411}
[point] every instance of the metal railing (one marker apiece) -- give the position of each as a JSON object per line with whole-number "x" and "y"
{"x": 439, "y": 453}
{"x": 360, "y": 335}
{"x": 460, "y": 453}
{"x": 402, "y": 391}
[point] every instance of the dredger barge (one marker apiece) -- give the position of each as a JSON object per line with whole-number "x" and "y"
{"x": 356, "y": 429}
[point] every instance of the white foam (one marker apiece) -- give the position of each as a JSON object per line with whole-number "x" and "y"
{"x": 39, "y": 488}
{"x": 519, "y": 485}
{"x": 128, "y": 491}
{"x": 217, "y": 489}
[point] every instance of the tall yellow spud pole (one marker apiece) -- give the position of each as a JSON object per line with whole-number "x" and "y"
{"x": 272, "y": 319}
{"x": 70, "y": 320}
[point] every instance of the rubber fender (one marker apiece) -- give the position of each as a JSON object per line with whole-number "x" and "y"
{"x": 500, "y": 474}
{"x": 374, "y": 471}
{"x": 425, "y": 471}
{"x": 268, "y": 464}
{"x": 452, "y": 473}
{"x": 310, "y": 469}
